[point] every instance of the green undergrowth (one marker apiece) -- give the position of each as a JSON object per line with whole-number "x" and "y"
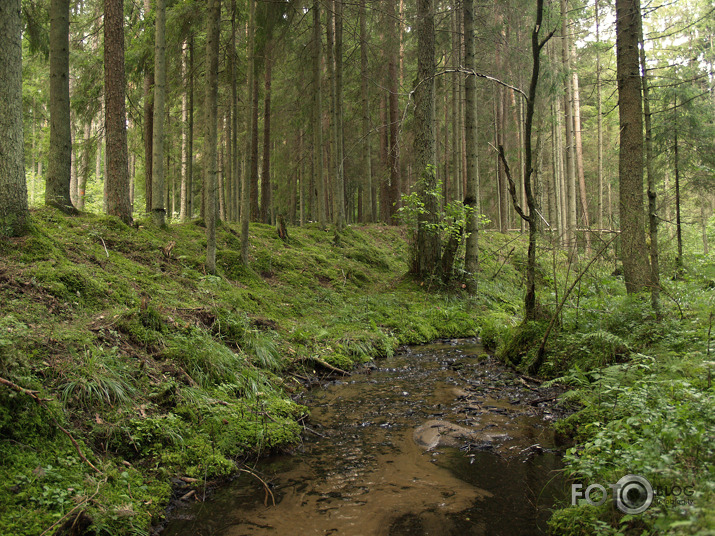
{"x": 641, "y": 388}
{"x": 159, "y": 370}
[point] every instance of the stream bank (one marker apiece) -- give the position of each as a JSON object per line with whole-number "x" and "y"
{"x": 438, "y": 439}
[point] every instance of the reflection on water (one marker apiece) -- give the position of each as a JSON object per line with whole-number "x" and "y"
{"x": 365, "y": 472}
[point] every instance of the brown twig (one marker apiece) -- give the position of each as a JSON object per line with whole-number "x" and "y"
{"x": 265, "y": 486}
{"x": 41, "y": 402}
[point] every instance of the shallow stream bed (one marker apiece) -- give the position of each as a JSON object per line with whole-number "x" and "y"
{"x": 439, "y": 439}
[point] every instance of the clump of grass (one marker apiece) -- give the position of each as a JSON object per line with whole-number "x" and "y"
{"x": 99, "y": 380}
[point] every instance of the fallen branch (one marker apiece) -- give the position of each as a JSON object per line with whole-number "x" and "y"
{"x": 68, "y": 514}
{"x": 265, "y": 487}
{"x": 327, "y": 365}
{"x": 41, "y": 402}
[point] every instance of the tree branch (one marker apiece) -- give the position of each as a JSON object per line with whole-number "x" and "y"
{"x": 512, "y": 186}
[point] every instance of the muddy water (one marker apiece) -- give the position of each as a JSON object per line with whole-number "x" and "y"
{"x": 437, "y": 440}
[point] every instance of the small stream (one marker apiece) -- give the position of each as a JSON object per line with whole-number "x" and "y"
{"x": 439, "y": 440}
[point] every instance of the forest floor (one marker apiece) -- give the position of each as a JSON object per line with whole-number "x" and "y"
{"x": 128, "y": 372}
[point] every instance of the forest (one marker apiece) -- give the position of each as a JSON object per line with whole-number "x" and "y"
{"x": 210, "y": 208}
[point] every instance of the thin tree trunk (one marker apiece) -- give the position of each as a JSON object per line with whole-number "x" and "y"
{"x": 366, "y": 183}
{"x": 678, "y": 222}
{"x": 185, "y": 156}
{"x": 246, "y": 186}
{"x": 652, "y": 206}
{"x": 84, "y": 173}
{"x": 158, "y": 209}
{"x": 570, "y": 170}
{"x": 599, "y": 119}
{"x": 148, "y": 123}
{"x": 210, "y": 142}
{"x": 117, "y": 178}
{"x": 266, "y": 213}
{"x": 255, "y": 208}
{"x": 339, "y": 155}
{"x": 317, "y": 117}
{"x": 393, "y": 88}
{"x": 579, "y": 159}
{"x": 235, "y": 178}
{"x": 190, "y": 162}
{"x": 470, "y": 123}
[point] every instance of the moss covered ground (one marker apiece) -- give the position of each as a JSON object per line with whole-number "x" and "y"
{"x": 115, "y": 338}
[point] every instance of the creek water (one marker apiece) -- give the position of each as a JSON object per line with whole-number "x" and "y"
{"x": 438, "y": 439}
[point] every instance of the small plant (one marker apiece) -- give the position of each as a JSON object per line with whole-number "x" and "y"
{"x": 99, "y": 380}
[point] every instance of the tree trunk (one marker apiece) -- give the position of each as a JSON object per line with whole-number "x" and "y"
{"x": 116, "y": 161}
{"x": 246, "y": 179}
{"x": 652, "y": 205}
{"x": 599, "y": 120}
{"x": 255, "y": 208}
{"x": 394, "y": 112}
{"x": 235, "y": 166}
{"x": 470, "y": 122}
{"x": 158, "y": 209}
{"x": 184, "y": 215}
{"x": 84, "y": 171}
{"x": 14, "y": 213}
{"x": 148, "y": 123}
{"x": 317, "y": 117}
{"x": 636, "y": 268}
{"x": 266, "y": 212}
{"x": 579, "y": 159}
{"x": 676, "y": 165}
{"x": 428, "y": 252}
{"x": 366, "y": 183}
{"x": 211, "y": 139}
{"x": 339, "y": 153}
{"x": 570, "y": 169}
{"x": 190, "y": 162}
{"x": 57, "y": 184}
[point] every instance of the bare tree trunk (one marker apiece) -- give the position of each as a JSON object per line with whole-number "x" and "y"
{"x": 339, "y": 154}
{"x": 393, "y": 88}
{"x": 428, "y": 253}
{"x": 579, "y": 159}
{"x": 570, "y": 170}
{"x": 317, "y": 117}
{"x": 599, "y": 119}
{"x": 14, "y": 213}
{"x": 210, "y": 142}
{"x": 158, "y": 209}
{"x": 266, "y": 213}
{"x": 678, "y": 221}
{"x": 84, "y": 171}
{"x": 184, "y": 215}
{"x": 366, "y": 184}
{"x": 117, "y": 179}
{"x": 58, "y": 180}
{"x": 246, "y": 186}
{"x": 148, "y": 123}
{"x": 470, "y": 200}
{"x": 636, "y": 268}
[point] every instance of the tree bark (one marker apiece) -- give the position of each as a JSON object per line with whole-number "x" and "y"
{"x": 428, "y": 247}
{"x": 148, "y": 123}
{"x": 57, "y": 184}
{"x": 246, "y": 182}
{"x": 636, "y": 268}
{"x": 339, "y": 153}
{"x": 570, "y": 168}
{"x": 318, "y": 180}
{"x": 394, "y": 112}
{"x": 266, "y": 202}
{"x": 184, "y": 215}
{"x": 14, "y": 213}
{"x": 366, "y": 183}
{"x": 158, "y": 209}
{"x": 470, "y": 123}
{"x": 117, "y": 163}
{"x": 211, "y": 139}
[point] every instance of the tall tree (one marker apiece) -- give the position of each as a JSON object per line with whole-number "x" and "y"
{"x": 470, "y": 123}
{"x": 428, "y": 248}
{"x": 317, "y": 117}
{"x": 57, "y": 184}
{"x": 339, "y": 150}
{"x": 636, "y": 268}
{"x": 246, "y": 179}
{"x": 158, "y": 209}
{"x": 393, "y": 81}
{"x": 211, "y": 139}
{"x": 148, "y": 120}
{"x": 368, "y": 204}
{"x": 14, "y": 214}
{"x": 117, "y": 180}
